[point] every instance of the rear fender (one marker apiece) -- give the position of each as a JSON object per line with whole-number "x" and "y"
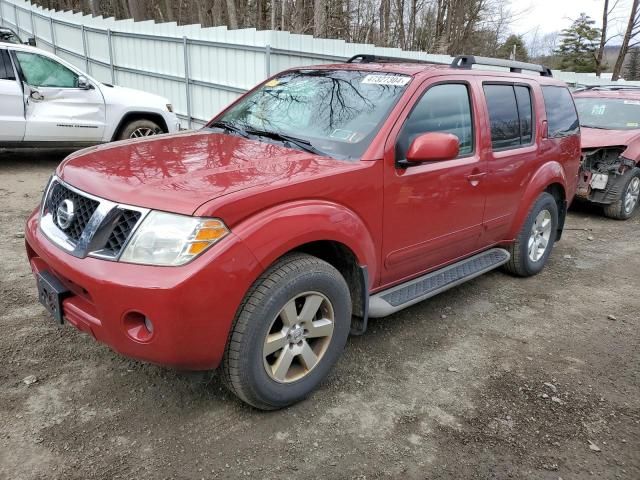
{"x": 273, "y": 232}
{"x": 547, "y": 174}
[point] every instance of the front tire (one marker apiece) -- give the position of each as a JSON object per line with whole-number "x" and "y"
{"x": 533, "y": 245}
{"x": 626, "y": 205}
{"x": 139, "y": 128}
{"x": 289, "y": 332}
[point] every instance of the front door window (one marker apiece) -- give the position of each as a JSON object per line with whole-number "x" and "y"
{"x": 40, "y": 71}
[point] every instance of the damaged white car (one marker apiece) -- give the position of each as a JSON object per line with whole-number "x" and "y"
{"x": 47, "y": 102}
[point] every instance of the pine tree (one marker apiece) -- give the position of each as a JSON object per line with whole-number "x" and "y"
{"x": 577, "y": 50}
{"x": 632, "y": 69}
{"x": 506, "y": 49}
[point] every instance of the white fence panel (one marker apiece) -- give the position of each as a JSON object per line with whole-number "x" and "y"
{"x": 201, "y": 70}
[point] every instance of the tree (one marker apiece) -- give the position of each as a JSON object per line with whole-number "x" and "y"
{"x": 476, "y": 27}
{"x": 632, "y": 68}
{"x": 577, "y": 50}
{"x": 632, "y": 31}
{"x": 603, "y": 38}
{"x": 516, "y": 42}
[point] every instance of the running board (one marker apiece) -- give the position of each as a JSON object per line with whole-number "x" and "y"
{"x": 406, "y": 294}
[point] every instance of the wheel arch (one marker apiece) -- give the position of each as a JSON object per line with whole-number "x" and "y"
{"x": 323, "y": 229}
{"x": 139, "y": 115}
{"x": 549, "y": 178}
{"x": 559, "y": 193}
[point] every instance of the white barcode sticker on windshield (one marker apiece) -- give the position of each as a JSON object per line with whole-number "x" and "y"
{"x": 632, "y": 102}
{"x": 395, "y": 80}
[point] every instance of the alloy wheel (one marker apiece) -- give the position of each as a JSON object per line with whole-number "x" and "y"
{"x": 145, "y": 132}
{"x": 298, "y": 337}
{"x": 540, "y": 235}
{"x": 631, "y": 195}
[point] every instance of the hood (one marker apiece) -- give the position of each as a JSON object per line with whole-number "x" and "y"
{"x": 180, "y": 172}
{"x": 130, "y": 97}
{"x": 598, "y": 138}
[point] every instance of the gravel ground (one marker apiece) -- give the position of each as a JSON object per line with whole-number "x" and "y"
{"x": 499, "y": 378}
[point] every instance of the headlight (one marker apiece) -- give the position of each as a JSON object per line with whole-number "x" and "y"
{"x": 170, "y": 107}
{"x": 170, "y": 239}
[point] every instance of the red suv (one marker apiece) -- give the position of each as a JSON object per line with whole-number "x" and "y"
{"x": 325, "y": 196}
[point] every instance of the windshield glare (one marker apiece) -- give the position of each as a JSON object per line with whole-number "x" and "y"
{"x": 609, "y": 113}
{"x": 337, "y": 111}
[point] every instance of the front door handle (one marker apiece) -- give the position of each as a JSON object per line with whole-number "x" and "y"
{"x": 474, "y": 178}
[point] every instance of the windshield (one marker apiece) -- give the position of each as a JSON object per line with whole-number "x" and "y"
{"x": 334, "y": 112}
{"x": 608, "y": 113}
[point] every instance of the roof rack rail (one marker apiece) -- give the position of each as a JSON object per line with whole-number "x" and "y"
{"x": 367, "y": 58}
{"x": 468, "y": 61}
{"x": 607, "y": 87}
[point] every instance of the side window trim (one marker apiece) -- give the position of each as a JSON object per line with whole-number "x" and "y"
{"x": 420, "y": 96}
{"x": 17, "y": 68}
{"x": 533, "y": 114}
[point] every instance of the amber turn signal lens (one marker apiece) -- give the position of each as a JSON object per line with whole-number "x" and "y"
{"x": 198, "y": 247}
{"x": 211, "y": 230}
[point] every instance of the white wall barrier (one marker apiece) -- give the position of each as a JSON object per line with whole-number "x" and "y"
{"x": 201, "y": 70}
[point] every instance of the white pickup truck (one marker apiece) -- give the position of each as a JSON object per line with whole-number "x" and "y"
{"x": 47, "y": 102}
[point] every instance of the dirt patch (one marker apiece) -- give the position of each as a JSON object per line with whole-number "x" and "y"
{"x": 451, "y": 388}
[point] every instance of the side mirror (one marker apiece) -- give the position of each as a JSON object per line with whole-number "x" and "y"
{"x": 31, "y": 41}
{"x": 433, "y": 147}
{"x": 83, "y": 83}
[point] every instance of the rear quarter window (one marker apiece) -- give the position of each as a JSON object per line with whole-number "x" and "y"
{"x": 562, "y": 117}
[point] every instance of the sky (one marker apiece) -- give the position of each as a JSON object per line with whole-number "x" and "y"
{"x": 555, "y": 15}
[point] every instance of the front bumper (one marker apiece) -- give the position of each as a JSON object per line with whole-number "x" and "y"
{"x": 191, "y": 307}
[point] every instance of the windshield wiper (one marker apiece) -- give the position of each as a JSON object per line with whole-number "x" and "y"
{"x": 229, "y": 127}
{"x": 300, "y": 143}
{"x": 594, "y": 126}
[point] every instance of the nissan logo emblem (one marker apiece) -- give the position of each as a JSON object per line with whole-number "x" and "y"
{"x": 65, "y": 213}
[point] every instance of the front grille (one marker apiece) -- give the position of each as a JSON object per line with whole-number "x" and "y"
{"x": 84, "y": 209}
{"x": 121, "y": 232}
{"x": 104, "y": 231}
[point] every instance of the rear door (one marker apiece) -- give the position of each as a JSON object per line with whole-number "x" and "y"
{"x": 512, "y": 152}
{"x": 57, "y": 110}
{"x": 12, "y": 122}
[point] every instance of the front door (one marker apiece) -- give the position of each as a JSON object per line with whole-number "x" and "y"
{"x": 12, "y": 122}
{"x": 57, "y": 109}
{"x": 433, "y": 211}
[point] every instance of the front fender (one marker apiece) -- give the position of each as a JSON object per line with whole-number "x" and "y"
{"x": 273, "y": 232}
{"x": 547, "y": 174}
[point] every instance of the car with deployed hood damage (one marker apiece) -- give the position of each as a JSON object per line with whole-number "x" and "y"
{"x": 610, "y": 172}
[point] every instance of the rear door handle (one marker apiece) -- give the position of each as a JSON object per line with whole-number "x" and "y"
{"x": 474, "y": 178}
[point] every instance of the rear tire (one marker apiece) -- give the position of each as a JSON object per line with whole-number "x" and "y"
{"x": 290, "y": 330}
{"x": 534, "y": 243}
{"x": 626, "y": 205}
{"x": 139, "y": 128}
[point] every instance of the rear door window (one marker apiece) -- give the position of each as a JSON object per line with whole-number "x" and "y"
{"x": 510, "y": 115}
{"x": 6, "y": 69}
{"x": 562, "y": 118}
{"x": 525, "y": 113}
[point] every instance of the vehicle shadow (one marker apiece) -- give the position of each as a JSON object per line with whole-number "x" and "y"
{"x": 35, "y": 157}
{"x": 586, "y": 208}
